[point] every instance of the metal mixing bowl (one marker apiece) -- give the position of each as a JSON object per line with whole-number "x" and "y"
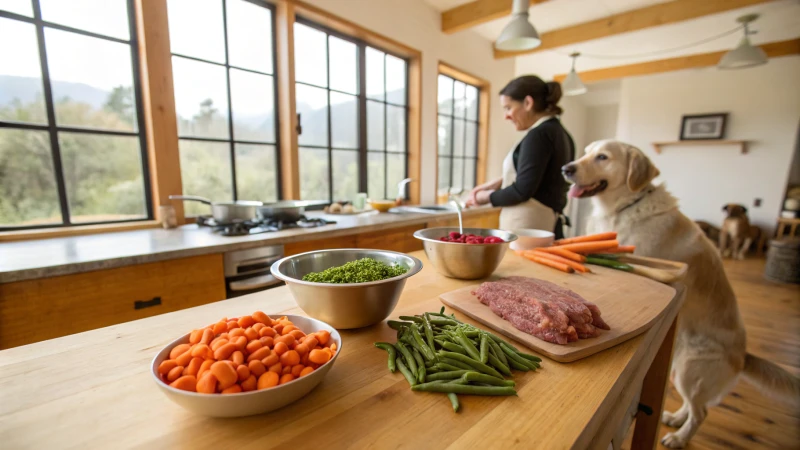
{"x": 352, "y": 305}
{"x": 464, "y": 261}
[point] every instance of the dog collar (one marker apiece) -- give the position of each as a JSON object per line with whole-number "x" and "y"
{"x": 641, "y": 197}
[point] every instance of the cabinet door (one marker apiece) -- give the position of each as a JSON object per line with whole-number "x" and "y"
{"x": 395, "y": 239}
{"x": 36, "y": 310}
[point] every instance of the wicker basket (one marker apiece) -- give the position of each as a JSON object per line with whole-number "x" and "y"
{"x": 783, "y": 261}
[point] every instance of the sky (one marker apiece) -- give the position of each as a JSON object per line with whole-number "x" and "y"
{"x": 196, "y": 29}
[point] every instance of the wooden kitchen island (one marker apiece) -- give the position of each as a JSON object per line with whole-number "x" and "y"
{"x": 95, "y": 390}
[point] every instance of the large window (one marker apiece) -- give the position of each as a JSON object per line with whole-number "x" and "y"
{"x": 223, "y": 71}
{"x": 352, "y": 105}
{"x": 72, "y": 149}
{"x": 457, "y": 135}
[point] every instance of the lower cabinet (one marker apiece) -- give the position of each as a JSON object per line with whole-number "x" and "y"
{"x": 36, "y": 310}
{"x": 395, "y": 239}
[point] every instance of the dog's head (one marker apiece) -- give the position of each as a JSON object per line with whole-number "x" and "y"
{"x": 608, "y": 165}
{"x": 735, "y": 210}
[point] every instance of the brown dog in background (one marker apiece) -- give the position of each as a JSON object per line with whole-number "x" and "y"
{"x": 736, "y": 235}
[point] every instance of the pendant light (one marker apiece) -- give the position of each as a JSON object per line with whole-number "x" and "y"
{"x": 573, "y": 85}
{"x": 519, "y": 34}
{"x": 745, "y": 54}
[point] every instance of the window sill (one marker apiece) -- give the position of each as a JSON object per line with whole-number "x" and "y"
{"x": 27, "y": 235}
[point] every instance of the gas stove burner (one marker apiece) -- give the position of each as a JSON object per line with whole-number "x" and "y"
{"x": 259, "y": 225}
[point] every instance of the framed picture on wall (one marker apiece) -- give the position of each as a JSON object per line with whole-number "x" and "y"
{"x": 703, "y": 126}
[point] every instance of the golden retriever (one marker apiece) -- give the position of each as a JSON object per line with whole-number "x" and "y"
{"x": 709, "y": 353}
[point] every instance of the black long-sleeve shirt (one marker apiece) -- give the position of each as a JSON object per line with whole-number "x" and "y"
{"x": 538, "y": 159}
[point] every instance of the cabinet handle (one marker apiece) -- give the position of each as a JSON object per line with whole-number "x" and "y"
{"x": 141, "y": 304}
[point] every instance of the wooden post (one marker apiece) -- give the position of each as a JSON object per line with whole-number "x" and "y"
{"x": 654, "y": 387}
{"x": 158, "y": 98}
{"x": 287, "y": 111}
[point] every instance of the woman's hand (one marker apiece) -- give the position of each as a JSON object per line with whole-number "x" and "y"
{"x": 492, "y": 186}
{"x": 481, "y": 197}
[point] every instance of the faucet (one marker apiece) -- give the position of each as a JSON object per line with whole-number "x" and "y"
{"x": 401, "y": 191}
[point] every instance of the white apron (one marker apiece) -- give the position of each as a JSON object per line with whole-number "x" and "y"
{"x": 529, "y": 214}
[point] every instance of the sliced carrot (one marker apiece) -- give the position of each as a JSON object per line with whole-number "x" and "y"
{"x": 575, "y": 265}
{"x": 590, "y": 247}
{"x": 550, "y": 263}
{"x": 611, "y": 235}
{"x": 621, "y": 249}
{"x": 564, "y": 253}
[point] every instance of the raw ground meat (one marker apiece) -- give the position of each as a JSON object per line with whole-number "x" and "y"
{"x": 542, "y": 308}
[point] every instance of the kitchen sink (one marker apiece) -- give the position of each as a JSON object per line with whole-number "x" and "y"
{"x": 422, "y": 209}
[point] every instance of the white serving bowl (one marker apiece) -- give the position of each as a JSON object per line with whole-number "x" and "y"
{"x": 530, "y": 239}
{"x": 253, "y": 402}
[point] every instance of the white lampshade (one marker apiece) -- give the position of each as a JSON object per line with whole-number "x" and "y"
{"x": 745, "y": 54}
{"x": 519, "y": 34}
{"x": 572, "y": 84}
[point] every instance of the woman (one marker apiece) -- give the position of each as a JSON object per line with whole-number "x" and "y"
{"x": 531, "y": 191}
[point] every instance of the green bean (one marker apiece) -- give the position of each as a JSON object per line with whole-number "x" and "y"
{"x": 412, "y": 380}
{"x": 530, "y": 357}
{"x": 464, "y": 389}
{"x": 497, "y": 364}
{"x": 609, "y": 263}
{"x": 512, "y": 355}
{"x": 460, "y": 365}
{"x": 611, "y": 256}
{"x": 429, "y": 364}
{"x": 451, "y": 375}
{"x": 397, "y": 325}
{"x": 392, "y": 354}
{"x": 412, "y": 364}
{"x": 428, "y": 330}
{"x": 484, "y": 349}
{"x": 442, "y": 321}
{"x": 517, "y": 366}
{"x": 475, "y": 377}
{"x": 454, "y": 401}
{"x": 421, "y": 345}
{"x": 497, "y": 352}
{"x": 472, "y": 362}
{"x": 450, "y": 367}
{"x": 420, "y": 363}
{"x": 421, "y": 374}
{"x": 454, "y": 348}
{"x": 468, "y": 345}
{"x": 412, "y": 318}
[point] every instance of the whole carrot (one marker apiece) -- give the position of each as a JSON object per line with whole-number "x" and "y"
{"x": 611, "y": 235}
{"x": 564, "y": 253}
{"x": 590, "y": 247}
{"x": 554, "y": 264}
{"x": 621, "y": 249}
{"x": 575, "y": 265}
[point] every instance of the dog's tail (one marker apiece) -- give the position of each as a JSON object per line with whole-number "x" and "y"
{"x": 772, "y": 379}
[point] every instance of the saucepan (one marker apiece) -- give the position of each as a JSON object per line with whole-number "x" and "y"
{"x": 288, "y": 210}
{"x": 225, "y": 212}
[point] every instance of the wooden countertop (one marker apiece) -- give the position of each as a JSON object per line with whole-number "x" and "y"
{"x": 26, "y": 260}
{"x": 94, "y": 390}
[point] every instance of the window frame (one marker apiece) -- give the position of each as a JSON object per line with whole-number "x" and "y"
{"x": 231, "y": 140}
{"x": 482, "y": 128}
{"x": 363, "y": 148}
{"x": 52, "y": 128}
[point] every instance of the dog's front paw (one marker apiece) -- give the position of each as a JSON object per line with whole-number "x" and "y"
{"x": 672, "y": 420}
{"x": 672, "y": 440}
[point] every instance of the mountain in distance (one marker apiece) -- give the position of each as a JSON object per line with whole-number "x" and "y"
{"x": 26, "y": 90}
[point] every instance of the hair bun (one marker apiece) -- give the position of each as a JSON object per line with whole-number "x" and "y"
{"x": 553, "y": 93}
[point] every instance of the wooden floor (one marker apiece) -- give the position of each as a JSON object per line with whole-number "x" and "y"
{"x": 746, "y": 419}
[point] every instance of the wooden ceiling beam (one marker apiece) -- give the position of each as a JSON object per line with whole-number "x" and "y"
{"x": 475, "y": 13}
{"x": 773, "y": 50}
{"x": 638, "y": 19}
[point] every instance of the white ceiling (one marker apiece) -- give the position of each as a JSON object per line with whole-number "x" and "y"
{"x": 780, "y": 20}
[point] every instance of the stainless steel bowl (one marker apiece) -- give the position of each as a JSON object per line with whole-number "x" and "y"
{"x": 352, "y": 305}
{"x": 464, "y": 261}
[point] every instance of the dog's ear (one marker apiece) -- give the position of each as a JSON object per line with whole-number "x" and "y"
{"x": 744, "y": 210}
{"x": 640, "y": 170}
{"x": 725, "y": 208}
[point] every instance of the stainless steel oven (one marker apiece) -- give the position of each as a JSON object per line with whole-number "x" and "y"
{"x": 247, "y": 271}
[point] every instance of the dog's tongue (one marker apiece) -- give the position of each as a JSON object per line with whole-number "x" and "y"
{"x": 576, "y": 191}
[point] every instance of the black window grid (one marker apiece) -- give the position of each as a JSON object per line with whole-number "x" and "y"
{"x": 451, "y": 133}
{"x": 232, "y": 140}
{"x": 362, "y": 149}
{"x": 54, "y": 129}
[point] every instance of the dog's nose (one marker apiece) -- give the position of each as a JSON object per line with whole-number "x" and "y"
{"x": 569, "y": 169}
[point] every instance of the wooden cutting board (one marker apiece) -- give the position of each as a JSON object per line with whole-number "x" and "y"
{"x": 628, "y": 303}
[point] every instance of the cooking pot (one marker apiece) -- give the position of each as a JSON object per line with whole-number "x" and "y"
{"x": 288, "y": 210}
{"x": 225, "y": 212}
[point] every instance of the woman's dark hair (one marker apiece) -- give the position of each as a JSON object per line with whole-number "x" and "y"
{"x": 545, "y": 95}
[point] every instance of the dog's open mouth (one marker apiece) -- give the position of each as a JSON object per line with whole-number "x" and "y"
{"x": 577, "y": 191}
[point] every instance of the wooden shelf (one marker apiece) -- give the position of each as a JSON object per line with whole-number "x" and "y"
{"x": 742, "y": 144}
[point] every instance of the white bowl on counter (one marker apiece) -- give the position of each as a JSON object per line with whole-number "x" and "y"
{"x": 529, "y": 239}
{"x": 253, "y": 402}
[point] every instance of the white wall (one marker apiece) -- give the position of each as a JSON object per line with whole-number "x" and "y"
{"x": 417, "y": 24}
{"x": 764, "y": 108}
